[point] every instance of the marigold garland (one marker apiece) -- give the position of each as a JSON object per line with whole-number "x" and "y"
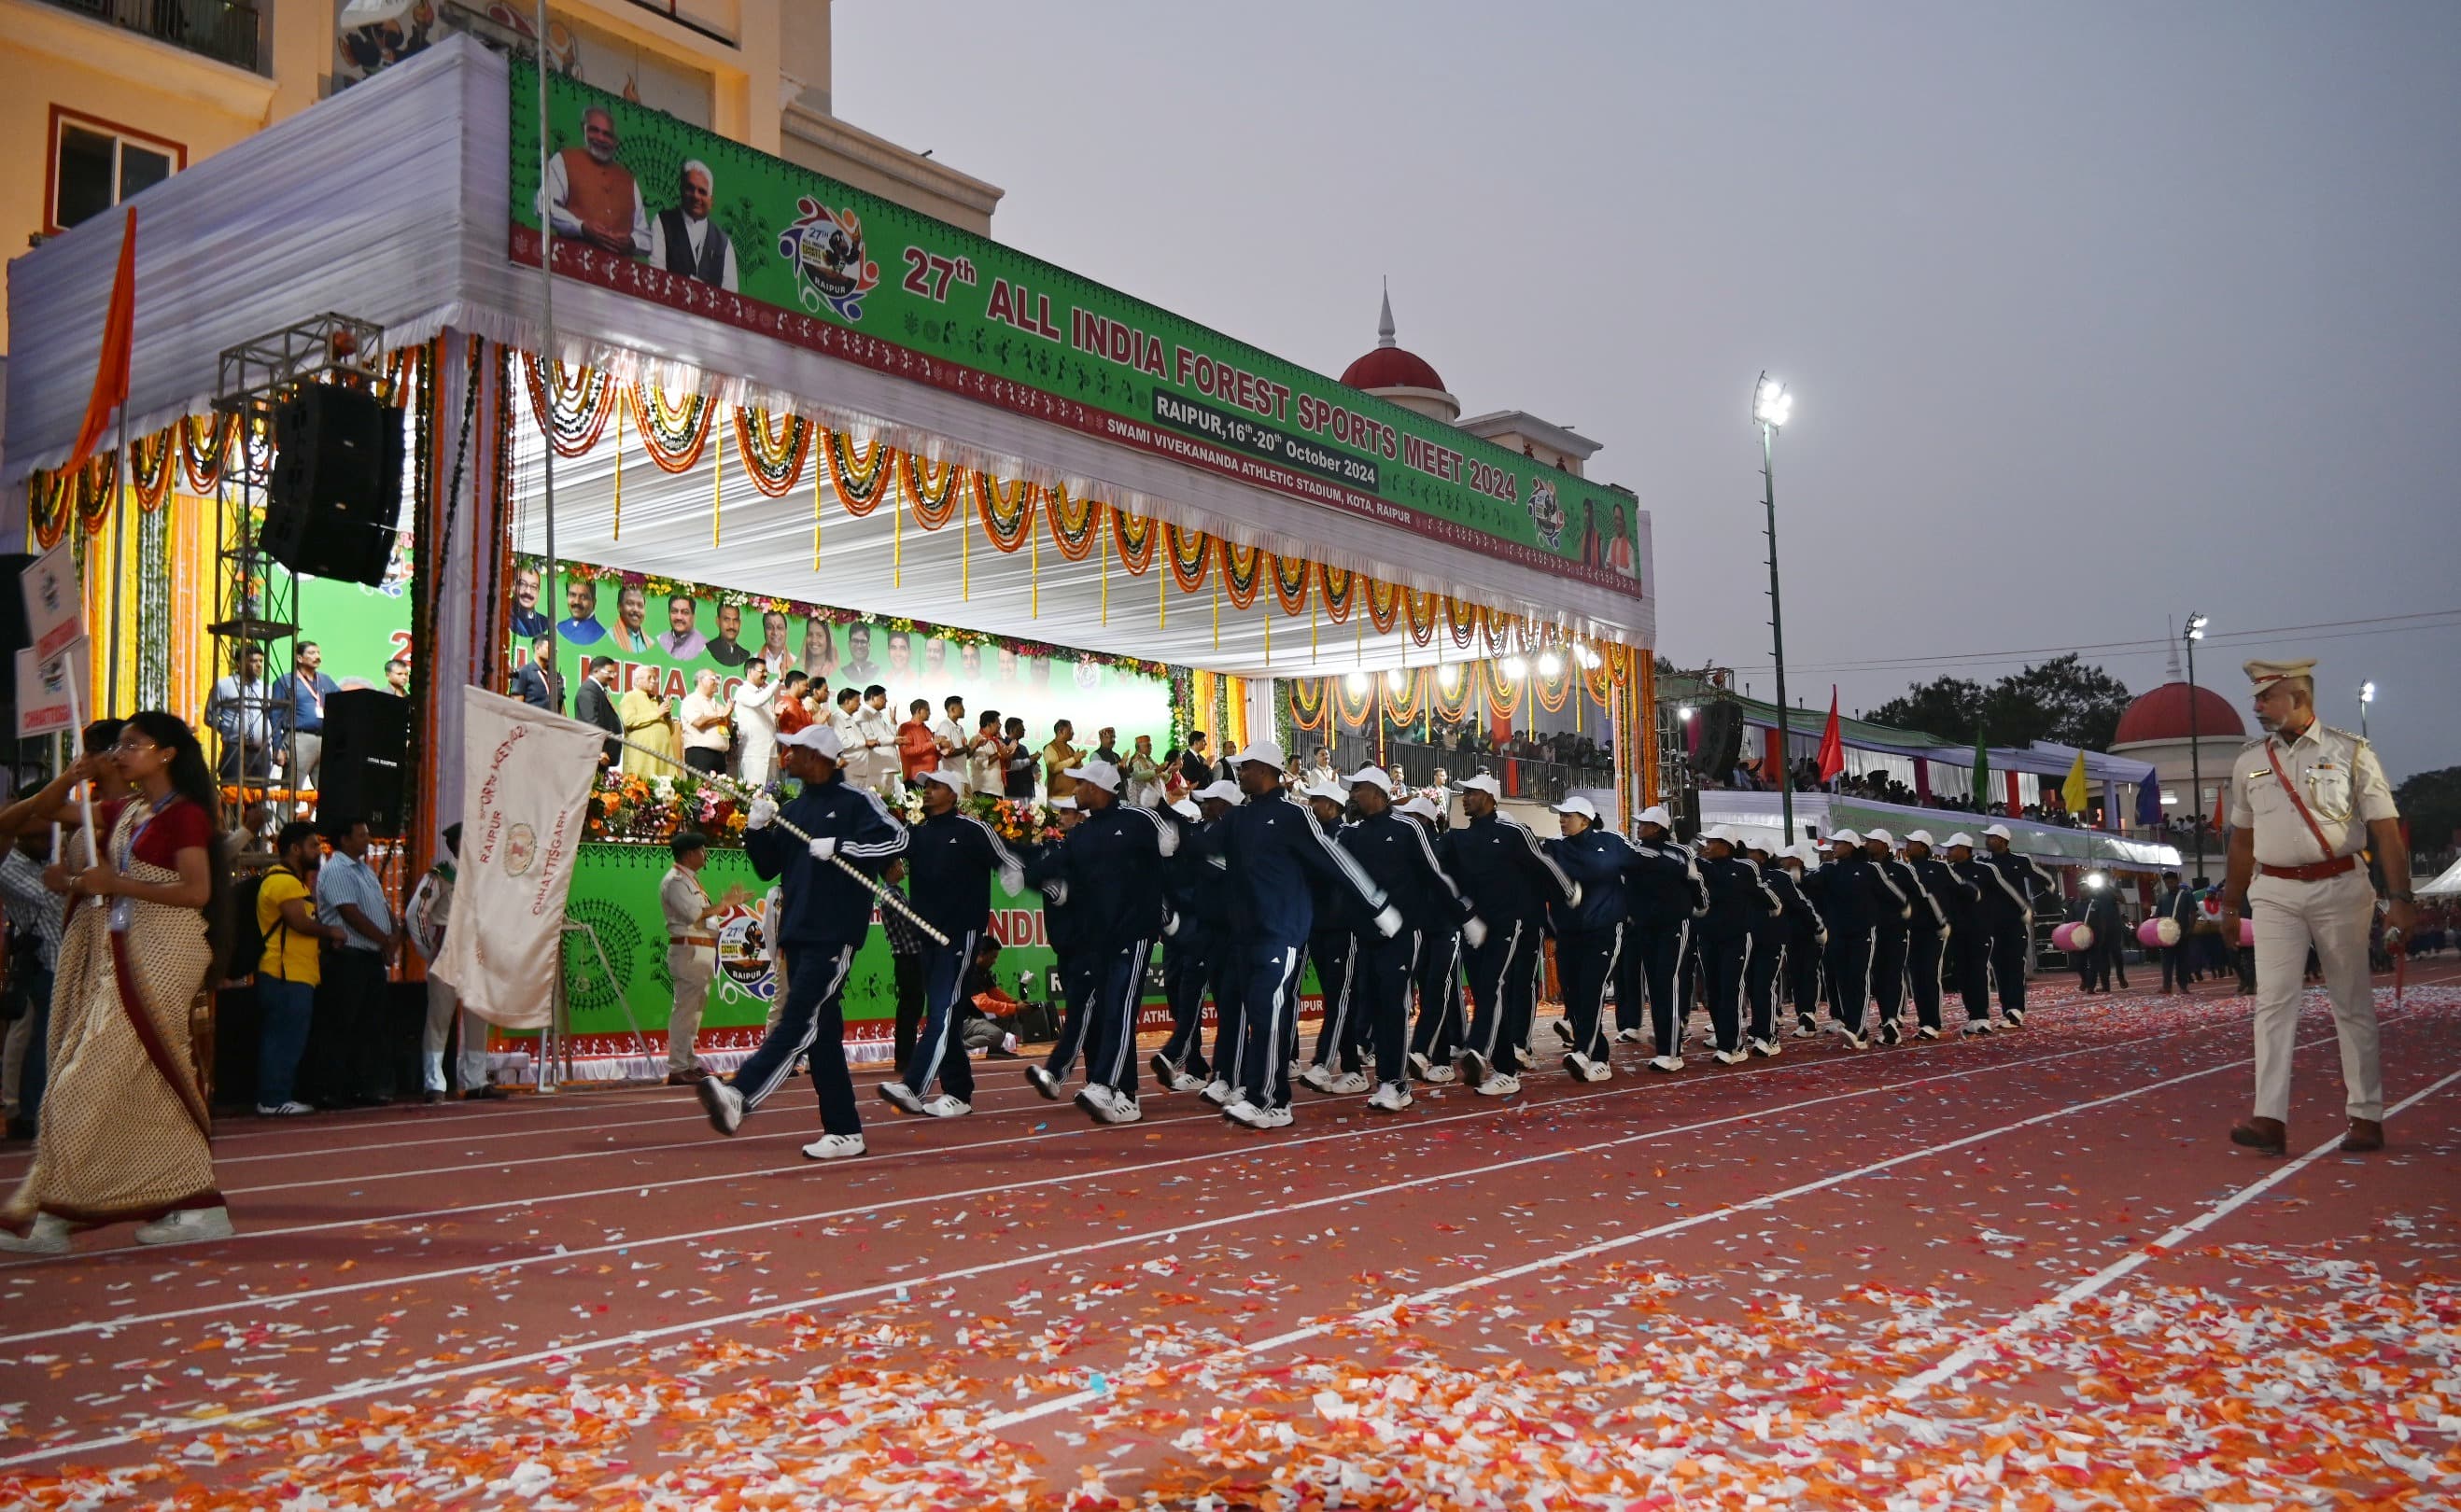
{"x": 1309, "y": 706}
{"x": 774, "y": 460}
{"x": 97, "y": 487}
{"x": 1006, "y": 508}
{"x": 1074, "y": 523}
{"x": 1243, "y": 572}
{"x": 573, "y": 413}
{"x": 673, "y": 435}
{"x": 860, "y": 475}
{"x": 1402, "y": 705}
{"x": 1561, "y": 684}
{"x": 205, "y": 440}
{"x": 1503, "y": 694}
{"x": 1451, "y": 707}
{"x": 1136, "y": 540}
{"x": 1425, "y": 610}
{"x": 932, "y": 488}
{"x": 1191, "y": 556}
{"x": 1383, "y": 606}
{"x": 1339, "y": 588}
{"x": 1293, "y": 578}
{"x": 154, "y": 469}
{"x": 1354, "y": 708}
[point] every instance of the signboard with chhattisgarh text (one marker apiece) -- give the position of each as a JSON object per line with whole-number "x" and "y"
{"x": 46, "y": 689}
{"x": 650, "y": 207}
{"x": 54, "y": 600}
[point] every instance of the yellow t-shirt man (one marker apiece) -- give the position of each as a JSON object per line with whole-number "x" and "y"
{"x": 289, "y": 955}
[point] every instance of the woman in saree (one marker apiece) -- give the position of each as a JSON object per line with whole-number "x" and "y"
{"x": 125, "y": 1130}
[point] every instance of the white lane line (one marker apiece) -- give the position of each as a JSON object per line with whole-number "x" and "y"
{"x": 2057, "y": 1305}
{"x": 1044, "y": 1258}
{"x": 1562, "y": 1258}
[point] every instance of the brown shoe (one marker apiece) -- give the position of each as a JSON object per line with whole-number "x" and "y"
{"x": 2366, "y": 1135}
{"x": 2264, "y": 1136}
{"x": 685, "y": 1078}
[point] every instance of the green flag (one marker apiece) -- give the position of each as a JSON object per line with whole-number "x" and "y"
{"x": 1981, "y": 775}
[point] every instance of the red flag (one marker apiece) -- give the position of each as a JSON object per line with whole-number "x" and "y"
{"x": 2221, "y": 800}
{"x": 1832, "y": 741}
{"x": 119, "y": 336}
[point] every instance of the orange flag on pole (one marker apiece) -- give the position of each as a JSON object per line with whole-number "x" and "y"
{"x": 1832, "y": 742}
{"x": 119, "y": 336}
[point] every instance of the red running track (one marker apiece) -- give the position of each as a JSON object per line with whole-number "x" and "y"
{"x": 1977, "y": 1273}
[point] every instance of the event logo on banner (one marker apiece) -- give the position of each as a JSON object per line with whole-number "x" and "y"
{"x": 761, "y": 245}
{"x": 55, "y": 601}
{"x": 529, "y": 775}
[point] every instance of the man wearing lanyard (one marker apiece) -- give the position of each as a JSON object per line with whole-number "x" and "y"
{"x": 2304, "y": 801}
{"x": 306, "y": 687}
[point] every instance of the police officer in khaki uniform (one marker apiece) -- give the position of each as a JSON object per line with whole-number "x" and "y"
{"x": 2304, "y": 801}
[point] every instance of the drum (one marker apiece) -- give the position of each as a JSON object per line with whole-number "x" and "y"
{"x": 2073, "y": 937}
{"x": 2157, "y": 934}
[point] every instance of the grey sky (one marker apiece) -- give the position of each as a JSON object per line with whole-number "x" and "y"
{"x": 2095, "y": 314}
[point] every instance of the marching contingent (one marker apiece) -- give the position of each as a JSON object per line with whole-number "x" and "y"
{"x": 1242, "y": 881}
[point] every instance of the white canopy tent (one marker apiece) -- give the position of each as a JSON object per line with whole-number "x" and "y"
{"x": 2446, "y": 885}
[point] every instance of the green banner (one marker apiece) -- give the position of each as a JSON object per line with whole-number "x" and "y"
{"x": 648, "y": 206}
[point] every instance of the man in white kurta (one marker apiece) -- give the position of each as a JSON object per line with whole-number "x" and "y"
{"x": 878, "y": 728}
{"x": 2305, "y": 800}
{"x": 756, "y": 724}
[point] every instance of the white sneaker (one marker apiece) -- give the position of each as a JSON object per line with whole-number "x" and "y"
{"x": 1241, "y": 1111}
{"x": 1472, "y": 1068}
{"x": 1390, "y": 1098}
{"x": 1348, "y": 1084}
{"x": 1732, "y": 1057}
{"x": 49, "y": 1235}
{"x": 1042, "y": 1081}
{"x": 1440, "y": 1075}
{"x": 1256, "y": 1118}
{"x": 1498, "y": 1084}
{"x": 1320, "y": 1077}
{"x": 1926, "y": 1032}
{"x": 1852, "y": 1041}
{"x": 294, "y": 1109}
{"x": 1107, "y": 1105}
{"x": 948, "y": 1106}
{"x": 832, "y": 1146}
{"x": 1181, "y": 1082}
{"x": 1769, "y": 1048}
{"x": 1667, "y": 1063}
{"x": 1806, "y": 1029}
{"x": 1627, "y": 1036}
{"x": 1980, "y": 1026}
{"x": 724, "y": 1105}
{"x": 185, "y": 1225}
{"x": 1584, "y": 1068}
{"x": 1220, "y": 1092}
{"x": 2016, "y": 1017}
{"x": 1564, "y": 1030}
{"x": 901, "y": 1096}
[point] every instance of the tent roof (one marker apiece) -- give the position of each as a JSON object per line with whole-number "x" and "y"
{"x": 2448, "y": 885}
{"x": 390, "y": 202}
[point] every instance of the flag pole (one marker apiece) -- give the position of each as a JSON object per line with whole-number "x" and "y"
{"x": 546, "y": 348}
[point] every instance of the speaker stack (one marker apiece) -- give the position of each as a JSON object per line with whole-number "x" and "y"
{"x": 364, "y": 771}
{"x": 335, "y": 494}
{"x": 1721, "y": 739}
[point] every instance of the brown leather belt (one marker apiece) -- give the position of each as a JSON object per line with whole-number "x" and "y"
{"x": 691, "y": 939}
{"x": 2315, "y": 871}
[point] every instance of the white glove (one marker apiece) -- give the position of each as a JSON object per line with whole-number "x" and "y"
{"x": 1388, "y": 924}
{"x": 825, "y": 847}
{"x": 762, "y": 812}
{"x": 1012, "y": 879}
{"x": 1055, "y": 891}
{"x": 1574, "y": 900}
{"x": 1822, "y": 939}
{"x": 1474, "y": 931}
{"x": 1169, "y": 923}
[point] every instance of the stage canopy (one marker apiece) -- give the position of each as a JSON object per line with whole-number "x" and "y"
{"x": 395, "y": 202}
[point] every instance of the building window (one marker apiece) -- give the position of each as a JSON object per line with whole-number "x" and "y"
{"x": 95, "y": 165}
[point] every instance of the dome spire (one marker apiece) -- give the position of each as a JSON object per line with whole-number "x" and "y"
{"x": 1384, "y": 323}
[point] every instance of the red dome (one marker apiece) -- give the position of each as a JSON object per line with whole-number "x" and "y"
{"x": 2162, "y": 715}
{"x": 1392, "y": 367}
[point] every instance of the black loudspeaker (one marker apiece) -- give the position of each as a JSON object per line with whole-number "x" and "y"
{"x": 1721, "y": 739}
{"x": 336, "y": 493}
{"x": 365, "y": 768}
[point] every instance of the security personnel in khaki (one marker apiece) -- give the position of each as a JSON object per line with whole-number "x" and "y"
{"x": 2304, "y": 801}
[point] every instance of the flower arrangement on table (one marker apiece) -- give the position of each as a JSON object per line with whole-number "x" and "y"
{"x": 1016, "y": 821}
{"x": 629, "y": 807}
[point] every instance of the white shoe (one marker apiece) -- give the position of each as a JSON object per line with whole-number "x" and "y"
{"x": 1241, "y": 1111}
{"x": 1181, "y": 1082}
{"x": 1349, "y": 1084}
{"x": 1769, "y": 1048}
{"x": 1564, "y": 1030}
{"x": 1926, "y": 1032}
{"x": 1473, "y": 1068}
{"x": 901, "y": 1096}
{"x": 1584, "y": 1068}
{"x": 1220, "y": 1092}
{"x": 1256, "y": 1118}
{"x": 1852, "y": 1041}
{"x": 832, "y": 1146}
{"x": 185, "y": 1225}
{"x": 1042, "y": 1081}
{"x": 49, "y": 1235}
{"x": 1980, "y": 1026}
{"x": 1499, "y": 1084}
{"x": 1391, "y": 1097}
{"x": 1806, "y": 1029}
{"x": 2016, "y": 1017}
{"x": 294, "y": 1109}
{"x": 947, "y": 1105}
{"x": 1627, "y": 1036}
{"x": 1107, "y": 1105}
{"x": 1440, "y": 1075}
{"x": 1320, "y": 1077}
{"x": 1732, "y": 1057}
{"x": 1667, "y": 1063}
{"x": 724, "y": 1105}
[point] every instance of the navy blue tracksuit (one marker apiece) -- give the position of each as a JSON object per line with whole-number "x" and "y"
{"x": 2009, "y": 882}
{"x": 1739, "y": 906}
{"x": 1849, "y": 898}
{"x": 950, "y": 860}
{"x": 1395, "y": 853}
{"x": 1510, "y": 884}
{"x": 1115, "y": 859}
{"x": 823, "y": 920}
{"x": 1191, "y": 880}
{"x": 1890, "y": 922}
{"x": 1590, "y": 939}
{"x": 1664, "y": 897}
{"x": 1972, "y": 937}
{"x": 1936, "y": 914}
{"x": 1332, "y": 947}
{"x": 1048, "y": 872}
{"x": 1274, "y": 849}
{"x": 1806, "y": 938}
{"x": 1771, "y": 933}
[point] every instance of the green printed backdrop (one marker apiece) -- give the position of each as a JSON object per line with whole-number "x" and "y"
{"x": 822, "y": 251}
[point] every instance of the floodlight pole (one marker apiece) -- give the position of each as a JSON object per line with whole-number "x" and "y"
{"x": 1777, "y": 622}
{"x": 2196, "y": 746}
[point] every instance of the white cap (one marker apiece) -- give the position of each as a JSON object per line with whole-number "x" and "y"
{"x": 1222, "y": 790}
{"x": 1325, "y": 788}
{"x": 1960, "y": 838}
{"x": 1485, "y": 782}
{"x": 818, "y": 739}
{"x": 1059, "y": 804}
{"x": 1762, "y": 847}
{"x": 1880, "y": 835}
{"x": 1579, "y": 805}
{"x": 1268, "y": 752}
{"x": 947, "y": 777}
{"x": 1804, "y": 851}
{"x": 1919, "y": 836}
{"x": 1657, "y": 815}
{"x": 1102, "y": 773}
{"x": 1422, "y": 807}
{"x": 1186, "y": 810}
{"x": 1717, "y": 832}
{"x": 2000, "y": 830}
{"x": 1376, "y": 775}
{"x": 1843, "y": 837}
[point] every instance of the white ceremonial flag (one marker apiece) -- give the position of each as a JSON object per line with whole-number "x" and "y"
{"x": 527, "y": 775}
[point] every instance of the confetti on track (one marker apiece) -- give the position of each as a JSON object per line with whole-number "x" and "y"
{"x": 1685, "y": 1292}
